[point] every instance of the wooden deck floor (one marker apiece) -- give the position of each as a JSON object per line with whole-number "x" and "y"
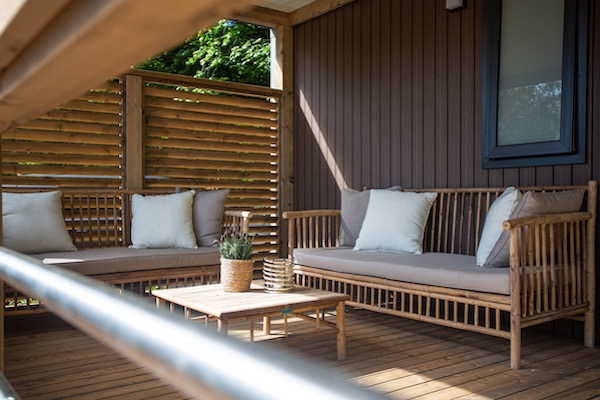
{"x": 47, "y": 359}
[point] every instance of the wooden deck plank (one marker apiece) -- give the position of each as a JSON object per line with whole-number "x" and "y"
{"x": 559, "y": 377}
{"x": 590, "y": 390}
{"x": 470, "y": 382}
{"x": 403, "y": 359}
{"x": 418, "y": 379}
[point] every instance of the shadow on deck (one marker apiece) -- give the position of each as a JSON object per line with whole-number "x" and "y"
{"x": 48, "y": 359}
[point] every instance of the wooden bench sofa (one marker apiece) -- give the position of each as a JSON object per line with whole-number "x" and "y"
{"x": 99, "y": 222}
{"x": 550, "y": 273}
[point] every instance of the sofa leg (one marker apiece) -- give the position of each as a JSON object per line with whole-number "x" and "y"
{"x": 515, "y": 343}
{"x": 589, "y": 326}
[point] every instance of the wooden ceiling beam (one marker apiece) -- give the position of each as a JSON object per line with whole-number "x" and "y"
{"x": 315, "y": 9}
{"x": 273, "y": 18}
{"x": 87, "y": 42}
{"x": 263, "y": 16}
{"x": 21, "y": 21}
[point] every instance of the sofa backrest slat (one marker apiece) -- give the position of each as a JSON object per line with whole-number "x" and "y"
{"x": 456, "y": 220}
{"x": 458, "y": 215}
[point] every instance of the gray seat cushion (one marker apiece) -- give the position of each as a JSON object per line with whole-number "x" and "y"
{"x": 122, "y": 259}
{"x": 437, "y": 269}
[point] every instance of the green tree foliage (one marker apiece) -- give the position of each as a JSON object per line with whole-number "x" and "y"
{"x": 230, "y": 51}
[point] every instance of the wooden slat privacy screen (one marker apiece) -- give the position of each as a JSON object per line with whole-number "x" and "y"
{"x": 195, "y": 134}
{"x": 79, "y": 144}
{"x": 216, "y": 137}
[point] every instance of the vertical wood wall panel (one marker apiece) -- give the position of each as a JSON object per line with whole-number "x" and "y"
{"x": 429, "y": 99}
{"x": 406, "y": 161}
{"x": 441, "y": 96}
{"x": 395, "y": 88}
{"x": 396, "y": 95}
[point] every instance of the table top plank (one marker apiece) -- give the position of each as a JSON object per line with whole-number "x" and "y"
{"x": 212, "y": 300}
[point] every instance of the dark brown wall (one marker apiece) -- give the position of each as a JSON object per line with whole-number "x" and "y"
{"x": 389, "y": 93}
{"x": 393, "y": 92}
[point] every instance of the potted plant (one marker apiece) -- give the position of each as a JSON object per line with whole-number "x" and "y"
{"x": 237, "y": 266}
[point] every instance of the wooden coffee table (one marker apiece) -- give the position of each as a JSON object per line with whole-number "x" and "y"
{"x": 212, "y": 301}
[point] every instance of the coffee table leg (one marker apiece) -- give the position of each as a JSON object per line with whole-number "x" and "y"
{"x": 222, "y": 326}
{"x": 160, "y": 303}
{"x": 340, "y": 322}
{"x": 267, "y": 325}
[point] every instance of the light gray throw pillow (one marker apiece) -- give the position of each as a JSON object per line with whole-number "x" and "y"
{"x": 395, "y": 221}
{"x": 34, "y": 223}
{"x": 353, "y": 211}
{"x": 162, "y": 221}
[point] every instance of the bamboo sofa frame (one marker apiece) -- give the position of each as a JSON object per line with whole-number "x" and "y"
{"x": 102, "y": 218}
{"x": 552, "y": 267}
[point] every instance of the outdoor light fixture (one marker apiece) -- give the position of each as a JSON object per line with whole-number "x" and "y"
{"x": 453, "y": 5}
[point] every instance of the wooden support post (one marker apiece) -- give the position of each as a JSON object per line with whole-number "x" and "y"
{"x": 515, "y": 302}
{"x": 282, "y": 70}
{"x": 590, "y": 317}
{"x": 134, "y": 133}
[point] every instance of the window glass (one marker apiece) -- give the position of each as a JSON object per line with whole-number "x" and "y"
{"x": 534, "y": 82}
{"x": 530, "y": 78}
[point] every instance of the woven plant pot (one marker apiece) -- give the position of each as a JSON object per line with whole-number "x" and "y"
{"x": 236, "y": 275}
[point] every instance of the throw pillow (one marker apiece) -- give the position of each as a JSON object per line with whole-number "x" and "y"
{"x": 353, "y": 210}
{"x": 162, "y": 221}
{"x": 534, "y": 203}
{"x": 207, "y": 211}
{"x": 34, "y": 223}
{"x": 395, "y": 221}
{"x": 499, "y": 212}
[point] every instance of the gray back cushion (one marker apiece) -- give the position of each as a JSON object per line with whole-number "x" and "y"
{"x": 354, "y": 208}
{"x": 535, "y": 203}
{"x": 207, "y": 213}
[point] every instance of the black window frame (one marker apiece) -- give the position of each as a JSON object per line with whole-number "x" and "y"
{"x": 571, "y": 148}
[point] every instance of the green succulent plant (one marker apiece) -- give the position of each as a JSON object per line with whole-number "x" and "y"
{"x": 234, "y": 245}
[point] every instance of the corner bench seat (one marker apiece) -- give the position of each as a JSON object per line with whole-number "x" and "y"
{"x": 99, "y": 223}
{"x": 110, "y": 260}
{"x": 454, "y": 271}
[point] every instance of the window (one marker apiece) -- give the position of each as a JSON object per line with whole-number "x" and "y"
{"x": 534, "y": 86}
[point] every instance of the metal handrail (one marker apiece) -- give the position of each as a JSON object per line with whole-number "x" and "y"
{"x": 7, "y": 392}
{"x": 198, "y": 361}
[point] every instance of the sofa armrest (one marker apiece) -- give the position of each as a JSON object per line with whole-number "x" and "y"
{"x": 552, "y": 265}
{"x": 312, "y": 228}
{"x": 546, "y": 219}
{"x": 237, "y": 219}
